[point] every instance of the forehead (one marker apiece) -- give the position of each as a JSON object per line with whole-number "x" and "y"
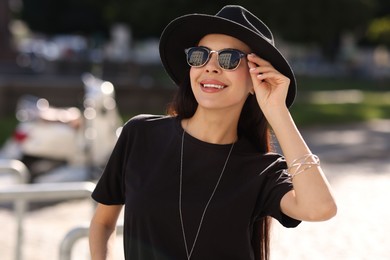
{"x": 223, "y": 41}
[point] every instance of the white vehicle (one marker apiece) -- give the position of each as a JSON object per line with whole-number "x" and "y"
{"x": 66, "y": 144}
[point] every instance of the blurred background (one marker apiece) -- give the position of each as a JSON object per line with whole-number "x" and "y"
{"x": 91, "y": 65}
{"x": 331, "y": 45}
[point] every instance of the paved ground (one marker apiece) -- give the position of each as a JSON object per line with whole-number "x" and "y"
{"x": 356, "y": 159}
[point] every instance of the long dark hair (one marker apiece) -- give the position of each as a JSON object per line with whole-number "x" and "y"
{"x": 254, "y": 126}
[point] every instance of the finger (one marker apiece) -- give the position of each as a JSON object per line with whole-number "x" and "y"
{"x": 257, "y": 60}
{"x": 252, "y": 65}
{"x": 254, "y": 71}
{"x": 267, "y": 76}
{"x": 262, "y": 69}
{"x": 273, "y": 77}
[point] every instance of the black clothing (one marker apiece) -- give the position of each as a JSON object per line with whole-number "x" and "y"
{"x": 143, "y": 173}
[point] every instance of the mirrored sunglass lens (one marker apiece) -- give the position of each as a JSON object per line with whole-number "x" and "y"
{"x": 229, "y": 59}
{"x": 197, "y": 57}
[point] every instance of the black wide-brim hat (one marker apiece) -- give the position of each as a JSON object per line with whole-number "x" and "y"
{"x": 186, "y": 31}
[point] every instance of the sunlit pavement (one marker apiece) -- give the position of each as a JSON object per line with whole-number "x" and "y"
{"x": 356, "y": 159}
{"x": 360, "y": 229}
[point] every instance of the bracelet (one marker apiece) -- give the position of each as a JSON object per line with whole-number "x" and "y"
{"x": 302, "y": 164}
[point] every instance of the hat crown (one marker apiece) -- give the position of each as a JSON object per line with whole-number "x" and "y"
{"x": 240, "y": 15}
{"x": 232, "y": 20}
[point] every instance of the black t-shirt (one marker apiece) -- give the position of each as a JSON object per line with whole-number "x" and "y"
{"x": 144, "y": 174}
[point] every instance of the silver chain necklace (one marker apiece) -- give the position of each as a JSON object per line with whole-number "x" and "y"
{"x": 189, "y": 253}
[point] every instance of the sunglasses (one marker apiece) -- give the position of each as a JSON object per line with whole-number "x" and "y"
{"x": 228, "y": 59}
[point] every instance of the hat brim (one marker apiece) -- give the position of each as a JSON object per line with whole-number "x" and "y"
{"x": 186, "y": 31}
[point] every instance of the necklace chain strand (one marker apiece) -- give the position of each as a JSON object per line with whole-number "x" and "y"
{"x": 189, "y": 253}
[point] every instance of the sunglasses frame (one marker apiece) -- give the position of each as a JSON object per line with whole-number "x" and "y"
{"x": 209, "y": 51}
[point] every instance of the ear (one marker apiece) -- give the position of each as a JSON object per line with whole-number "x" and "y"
{"x": 252, "y": 92}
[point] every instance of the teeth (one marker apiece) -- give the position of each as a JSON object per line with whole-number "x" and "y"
{"x": 213, "y": 86}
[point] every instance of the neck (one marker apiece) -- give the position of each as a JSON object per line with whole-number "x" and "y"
{"x": 212, "y": 127}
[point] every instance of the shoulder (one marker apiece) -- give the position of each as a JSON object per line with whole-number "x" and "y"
{"x": 272, "y": 157}
{"x": 271, "y": 163}
{"x": 261, "y": 163}
{"x": 145, "y": 120}
{"x": 145, "y": 124}
{"x": 246, "y": 149}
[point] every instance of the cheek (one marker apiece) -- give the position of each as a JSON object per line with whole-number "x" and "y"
{"x": 245, "y": 80}
{"x": 193, "y": 76}
{"x": 194, "y": 73}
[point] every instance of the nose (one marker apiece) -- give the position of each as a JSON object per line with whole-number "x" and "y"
{"x": 212, "y": 65}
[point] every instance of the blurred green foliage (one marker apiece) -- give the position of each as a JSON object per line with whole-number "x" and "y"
{"x": 340, "y": 83}
{"x": 373, "y": 106}
{"x": 7, "y": 126}
{"x": 373, "y": 103}
{"x": 379, "y": 30}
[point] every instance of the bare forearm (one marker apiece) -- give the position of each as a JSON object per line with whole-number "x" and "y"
{"x": 313, "y": 196}
{"x": 102, "y": 231}
{"x": 289, "y": 137}
{"x": 101, "y": 241}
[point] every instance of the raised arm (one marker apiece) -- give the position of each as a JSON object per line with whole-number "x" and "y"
{"x": 311, "y": 199}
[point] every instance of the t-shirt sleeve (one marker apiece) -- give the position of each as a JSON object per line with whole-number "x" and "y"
{"x": 110, "y": 187}
{"x": 276, "y": 183}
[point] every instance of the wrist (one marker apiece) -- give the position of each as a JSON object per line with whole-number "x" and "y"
{"x": 276, "y": 114}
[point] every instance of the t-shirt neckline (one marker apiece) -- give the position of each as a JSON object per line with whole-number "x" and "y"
{"x": 197, "y": 141}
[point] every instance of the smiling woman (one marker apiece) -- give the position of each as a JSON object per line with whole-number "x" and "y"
{"x": 208, "y": 165}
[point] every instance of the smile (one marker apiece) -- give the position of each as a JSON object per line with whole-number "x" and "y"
{"x": 213, "y": 86}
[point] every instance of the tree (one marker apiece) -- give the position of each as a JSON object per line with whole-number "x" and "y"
{"x": 5, "y": 41}
{"x": 64, "y": 16}
{"x": 148, "y": 18}
{"x": 320, "y": 22}
{"x": 378, "y": 31}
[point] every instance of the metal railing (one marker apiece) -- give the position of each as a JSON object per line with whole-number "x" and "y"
{"x": 16, "y": 168}
{"x": 21, "y": 172}
{"x": 21, "y": 194}
{"x": 73, "y": 236}
{"x": 44, "y": 192}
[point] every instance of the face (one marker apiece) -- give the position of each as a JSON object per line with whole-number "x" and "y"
{"x": 216, "y": 88}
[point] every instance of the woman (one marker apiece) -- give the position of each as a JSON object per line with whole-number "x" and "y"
{"x": 202, "y": 183}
